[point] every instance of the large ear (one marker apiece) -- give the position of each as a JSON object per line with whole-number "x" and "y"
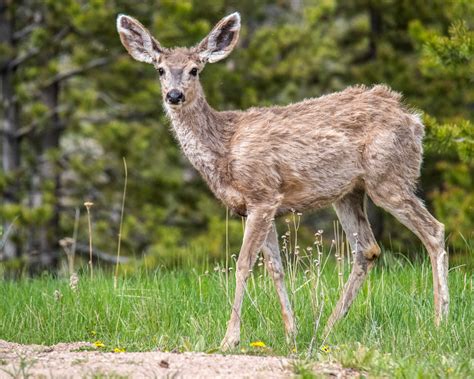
{"x": 221, "y": 40}
{"x": 137, "y": 39}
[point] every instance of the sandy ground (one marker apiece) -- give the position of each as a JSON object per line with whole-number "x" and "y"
{"x": 65, "y": 361}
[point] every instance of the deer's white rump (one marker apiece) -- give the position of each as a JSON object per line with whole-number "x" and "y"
{"x": 261, "y": 162}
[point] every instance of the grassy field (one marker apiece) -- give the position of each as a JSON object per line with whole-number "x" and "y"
{"x": 389, "y": 329}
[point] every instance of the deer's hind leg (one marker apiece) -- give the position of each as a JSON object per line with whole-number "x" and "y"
{"x": 353, "y": 218}
{"x": 411, "y": 212}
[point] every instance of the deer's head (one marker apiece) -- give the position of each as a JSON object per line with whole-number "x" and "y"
{"x": 179, "y": 67}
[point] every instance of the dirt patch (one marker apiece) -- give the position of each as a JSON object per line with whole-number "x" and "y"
{"x": 65, "y": 361}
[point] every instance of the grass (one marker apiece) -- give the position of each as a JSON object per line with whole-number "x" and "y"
{"x": 388, "y": 331}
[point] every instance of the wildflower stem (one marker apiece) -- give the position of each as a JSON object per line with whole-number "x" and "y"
{"x": 74, "y": 234}
{"x": 227, "y": 251}
{"x": 119, "y": 242}
{"x": 88, "y": 205}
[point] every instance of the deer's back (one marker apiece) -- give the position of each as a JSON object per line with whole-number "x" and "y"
{"x": 324, "y": 147}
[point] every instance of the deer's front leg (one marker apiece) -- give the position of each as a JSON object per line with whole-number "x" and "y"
{"x": 256, "y": 229}
{"x": 271, "y": 252}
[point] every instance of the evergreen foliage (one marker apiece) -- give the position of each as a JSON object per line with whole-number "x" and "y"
{"x": 80, "y": 104}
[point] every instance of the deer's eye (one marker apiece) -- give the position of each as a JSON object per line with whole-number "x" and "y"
{"x": 161, "y": 71}
{"x": 194, "y": 71}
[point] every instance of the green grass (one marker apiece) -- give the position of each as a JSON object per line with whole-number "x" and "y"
{"x": 389, "y": 329}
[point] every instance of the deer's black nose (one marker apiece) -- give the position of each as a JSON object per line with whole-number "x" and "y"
{"x": 175, "y": 97}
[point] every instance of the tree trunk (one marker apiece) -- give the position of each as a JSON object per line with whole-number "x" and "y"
{"x": 375, "y": 30}
{"x": 10, "y": 141}
{"x": 47, "y": 179}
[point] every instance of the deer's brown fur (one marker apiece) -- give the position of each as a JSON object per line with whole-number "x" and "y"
{"x": 262, "y": 162}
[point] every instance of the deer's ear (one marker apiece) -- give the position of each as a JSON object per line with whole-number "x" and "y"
{"x": 221, "y": 40}
{"x": 137, "y": 39}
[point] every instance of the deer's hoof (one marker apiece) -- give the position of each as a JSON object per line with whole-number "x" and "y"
{"x": 230, "y": 342}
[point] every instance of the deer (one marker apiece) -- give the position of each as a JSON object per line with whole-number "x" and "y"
{"x": 262, "y": 163}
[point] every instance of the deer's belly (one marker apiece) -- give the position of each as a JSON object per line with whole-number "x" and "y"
{"x": 315, "y": 193}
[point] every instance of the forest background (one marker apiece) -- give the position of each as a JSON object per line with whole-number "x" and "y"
{"x": 74, "y": 105}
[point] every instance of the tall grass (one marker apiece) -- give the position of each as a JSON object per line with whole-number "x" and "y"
{"x": 389, "y": 329}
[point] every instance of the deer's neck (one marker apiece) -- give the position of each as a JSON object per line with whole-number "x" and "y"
{"x": 204, "y": 135}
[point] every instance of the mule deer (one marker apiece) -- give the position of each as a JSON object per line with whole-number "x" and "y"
{"x": 263, "y": 162}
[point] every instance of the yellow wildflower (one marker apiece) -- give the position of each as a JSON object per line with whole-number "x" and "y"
{"x": 325, "y": 349}
{"x": 258, "y": 344}
{"x": 99, "y": 344}
{"x": 119, "y": 350}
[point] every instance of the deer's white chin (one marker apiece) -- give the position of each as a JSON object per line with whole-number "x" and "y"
{"x": 174, "y": 108}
